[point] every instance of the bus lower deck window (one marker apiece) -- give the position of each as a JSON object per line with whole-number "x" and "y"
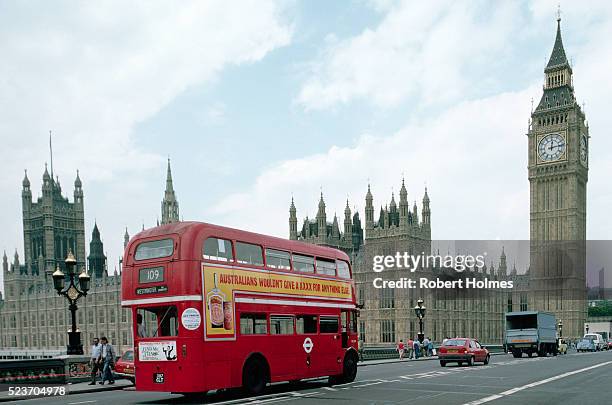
{"x": 306, "y": 324}
{"x": 281, "y": 325}
{"x": 158, "y": 321}
{"x": 328, "y": 324}
{"x": 253, "y": 324}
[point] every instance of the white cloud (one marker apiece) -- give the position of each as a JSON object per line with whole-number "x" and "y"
{"x": 420, "y": 49}
{"x": 475, "y": 170}
{"x": 91, "y": 71}
{"x": 472, "y": 153}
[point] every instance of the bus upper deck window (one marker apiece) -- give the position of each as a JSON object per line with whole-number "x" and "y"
{"x": 247, "y": 253}
{"x": 327, "y": 267}
{"x": 278, "y": 259}
{"x": 304, "y": 264}
{"x": 218, "y": 249}
{"x": 343, "y": 269}
{"x": 154, "y": 249}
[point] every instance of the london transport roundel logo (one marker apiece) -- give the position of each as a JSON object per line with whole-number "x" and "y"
{"x": 191, "y": 319}
{"x": 308, "y": 345}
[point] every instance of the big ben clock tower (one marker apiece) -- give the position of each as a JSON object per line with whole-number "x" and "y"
{"x": 558, "y": 173}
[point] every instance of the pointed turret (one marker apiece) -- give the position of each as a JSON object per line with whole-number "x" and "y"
{"x": 348, "y": 225}
{"x": 513, "y": 273}
{"x": 426, "y": 211}
{"x": 415, "y": 214}
{"x": 96, "y": 259}
{"x": 381, "y": 218}
{"x": 369, "y": 210}
{"x": 557, "y": 56}
{"x": 126, "y": 238}
{"x": 502, "y": 270}
{"x": 26, "y": 182}
{"x": 558, "y": 85}
{"x": 5, "y": 265}
{"x": 292, "y": 221}
{"x": 404, "y": 207}
{"x": 26, "y": 195}
{"x": 322, "y": 219}
{"x": 392, "y": 204}
{"x": 77, "y": 181}
{"x": 335, "y": 228}
{"x": 169, "y": 205}
{"x": 47, "y": 182}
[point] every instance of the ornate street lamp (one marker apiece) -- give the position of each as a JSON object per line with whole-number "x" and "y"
{"x": 72, "y": 294}
{"x": 420, "y": 313}
{"x": 560, "y": 324}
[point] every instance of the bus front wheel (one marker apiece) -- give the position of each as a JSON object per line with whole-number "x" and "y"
{"x": 254, "y": 376}
{"x": 349, "y": 370}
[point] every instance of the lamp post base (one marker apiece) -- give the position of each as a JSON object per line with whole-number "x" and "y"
{"x": 74, "y": 343}
{"x": 421, "y": 337}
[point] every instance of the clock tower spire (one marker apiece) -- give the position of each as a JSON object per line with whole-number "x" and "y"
{"x": 558, "y": 139}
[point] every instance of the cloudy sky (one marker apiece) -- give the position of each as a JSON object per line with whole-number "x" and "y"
{"x": 257, "y": 101}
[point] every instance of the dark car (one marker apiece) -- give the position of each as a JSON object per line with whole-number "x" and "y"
{"x": 462, "y": 350}
{"x": 124, "y": 367}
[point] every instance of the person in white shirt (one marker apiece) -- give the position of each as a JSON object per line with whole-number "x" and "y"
{"x": 95, "y": 364}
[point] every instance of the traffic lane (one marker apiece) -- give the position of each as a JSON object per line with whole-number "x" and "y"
{"x": 421, "y": 381}
{"x": 588, "y": 384}
{"x": 452, "y": 385}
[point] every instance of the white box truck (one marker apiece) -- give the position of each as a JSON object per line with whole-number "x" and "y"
{"x": 531, "y": 332}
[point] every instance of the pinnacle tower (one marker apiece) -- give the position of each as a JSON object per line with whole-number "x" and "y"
{"x": 169, "y": 205}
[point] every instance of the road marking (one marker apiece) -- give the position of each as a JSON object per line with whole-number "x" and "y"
{"x": 82, "y": 402}
{"x": 534, "y": 384}
{"x": 329, "y": 389}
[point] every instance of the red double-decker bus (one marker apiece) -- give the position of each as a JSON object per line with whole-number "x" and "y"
{"x": 215, "y": 307}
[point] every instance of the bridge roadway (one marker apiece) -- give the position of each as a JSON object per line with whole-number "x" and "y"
{"x": 575, "y": 378}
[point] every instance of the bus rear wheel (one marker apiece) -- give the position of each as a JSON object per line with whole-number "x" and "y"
{"x": 254, "y": 376}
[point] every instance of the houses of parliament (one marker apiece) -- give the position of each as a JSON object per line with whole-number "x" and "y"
{"x": 555, "y": 280}
{"x": 33, "y": 317}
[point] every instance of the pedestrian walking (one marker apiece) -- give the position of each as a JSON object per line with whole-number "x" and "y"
{"x": 429, "y": 347}
{"x": 410, "y": 348}
{"x": 107, "y": 357}
{"x": 416, "y": 349}
{"x": 96, "y": 348}
{"x": 400, "y": 349}
{"x": 426, "y": 347}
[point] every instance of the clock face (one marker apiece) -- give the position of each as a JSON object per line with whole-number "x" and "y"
{"x": 551, "y": 147}
{"x": 583, "y": 149}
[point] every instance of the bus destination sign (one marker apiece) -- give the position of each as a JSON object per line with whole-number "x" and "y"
{"x": 152, "y": 290}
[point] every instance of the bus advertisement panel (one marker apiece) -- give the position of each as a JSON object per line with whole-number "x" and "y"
{"x": 223, "y": 286}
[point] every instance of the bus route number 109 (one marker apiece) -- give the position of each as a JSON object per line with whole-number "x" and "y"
{"x": 151, "y": 275}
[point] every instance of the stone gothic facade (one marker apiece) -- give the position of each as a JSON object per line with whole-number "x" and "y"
{"x": 558, "y": 142}
{"x": 33, "y": 318}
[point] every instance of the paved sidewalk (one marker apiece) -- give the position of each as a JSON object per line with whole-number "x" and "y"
{"x": 78, "y": 388}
